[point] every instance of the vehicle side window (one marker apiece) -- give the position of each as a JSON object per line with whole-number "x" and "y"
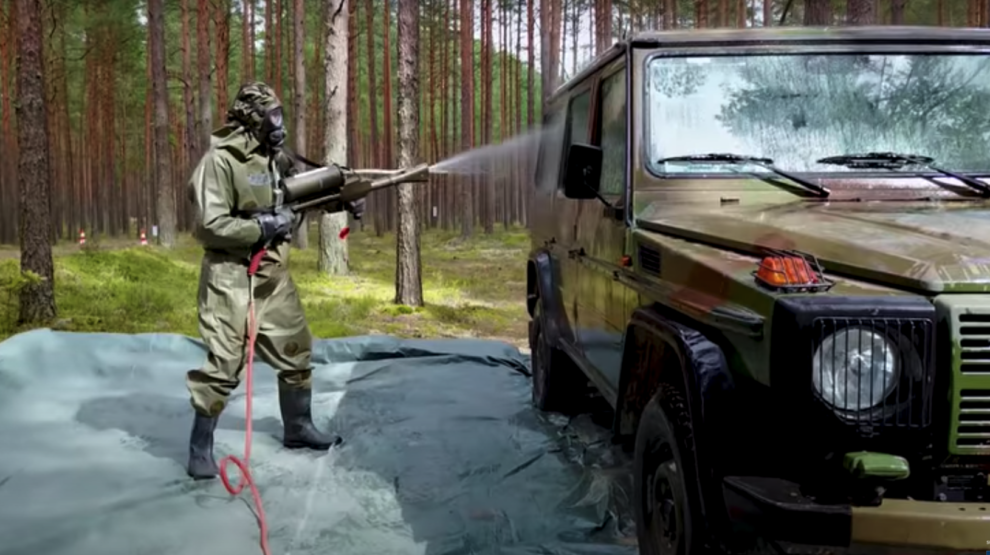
{"x": 613, "y": 134}
{"x": 551, "y": 151}
{"x": 578, "y": 115}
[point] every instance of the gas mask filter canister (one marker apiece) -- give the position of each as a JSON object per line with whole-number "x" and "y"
{"x": 272, "y": 129}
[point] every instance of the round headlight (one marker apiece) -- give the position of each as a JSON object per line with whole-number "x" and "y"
{"x": 855, "y": 369}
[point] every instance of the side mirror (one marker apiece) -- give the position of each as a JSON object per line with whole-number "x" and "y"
{"x": 583, "y": 173}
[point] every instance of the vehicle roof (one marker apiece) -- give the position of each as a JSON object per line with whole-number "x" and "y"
{"x": 947, "y": 36}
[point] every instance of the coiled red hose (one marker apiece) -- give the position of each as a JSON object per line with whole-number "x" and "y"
{"x": 242, "y": 464}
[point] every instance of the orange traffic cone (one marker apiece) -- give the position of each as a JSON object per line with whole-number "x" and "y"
{"x": 144, "y": 239}
{"x": 82, "y": 237}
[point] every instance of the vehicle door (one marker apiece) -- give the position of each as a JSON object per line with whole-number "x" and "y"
{"x": 601, "y": 232}
{"x": 566, "y": 211}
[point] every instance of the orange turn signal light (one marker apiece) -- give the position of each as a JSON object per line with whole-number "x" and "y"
{"x": 787, "y": 271}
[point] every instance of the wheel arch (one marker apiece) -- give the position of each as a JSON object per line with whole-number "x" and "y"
{"x": 542, "y": 288}
{"x": 659, "y": 350}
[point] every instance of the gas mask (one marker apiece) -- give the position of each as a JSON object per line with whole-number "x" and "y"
{"x": 271, "y": 130}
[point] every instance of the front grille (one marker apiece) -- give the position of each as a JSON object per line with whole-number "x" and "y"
{"x": 974, "y": 344}
{"x": 969, "y": 351}
{"x": 973, "y": 428}
{"x": 901, "y": 347}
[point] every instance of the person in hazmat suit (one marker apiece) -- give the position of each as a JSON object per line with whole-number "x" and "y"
{"x": 234, "y": 189}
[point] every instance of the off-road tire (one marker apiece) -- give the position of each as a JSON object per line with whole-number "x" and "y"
{"x": 664, "y": 454}
{"x": 557, "y": 383}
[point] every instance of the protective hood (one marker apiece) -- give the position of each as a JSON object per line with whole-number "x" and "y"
{"x": 920, "y": 246}
{"x": 236, "y": 139}
{"x": 257, "y": 107}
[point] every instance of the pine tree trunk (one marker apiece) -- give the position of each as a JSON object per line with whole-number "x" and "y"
{"x": 149, "y": 160}
{"x": 193, "y": 139}
{"x": 333, "y": 248}
{"x": 8, "y": 172}
{"x": 221, "y": 24}
{"x": 70, "y": 213}
{"x": 606, "y": 26}
{"x": 408, "y": 277}
{"x": 575, "y": 34}
{"x": 269, "y": 45}
{"x": 352, "y": 64}
{"x": 163, "y": 178}
{"x": 247, "y": 42}
{"x": 545, "y": 65}
{"x": 860, "y": 12}
{"x": 530, "y": 67}
{"x": 817, "y": 12}
{"x": 488, "y": 207}
{"x": 253, "y": 62}
{"x": 445, "y": 219}
{"x": 520, "y": 165}
{"x": 278, "y": 66}
{"x": 203, "y": 63}
{"x": 301, "y": 239}
{"x": 467, "y": 110}
{"x": 388, "y": 142}
{"x": 108, "y": 153}
{"x": 897, "y": 11}
{"x": 37, "y": 299}
{"x": 374, "y": 145}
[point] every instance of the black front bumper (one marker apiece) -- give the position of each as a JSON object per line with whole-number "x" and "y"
{"x": 776, "y": 509}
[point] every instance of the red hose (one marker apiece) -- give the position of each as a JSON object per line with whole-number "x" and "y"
{"x": 242, "y": 465}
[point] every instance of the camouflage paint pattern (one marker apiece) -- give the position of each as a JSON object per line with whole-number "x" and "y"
{"x": 930, "y": 240}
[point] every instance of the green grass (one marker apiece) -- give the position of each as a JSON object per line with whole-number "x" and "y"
{"x": 473, "y": 288}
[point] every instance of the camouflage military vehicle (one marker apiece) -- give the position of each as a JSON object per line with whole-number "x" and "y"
{"x": 769, "y": 251}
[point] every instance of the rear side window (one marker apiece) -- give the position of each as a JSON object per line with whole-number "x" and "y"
{"x": 551, "y": 151}
{"x": 613, "y": 133}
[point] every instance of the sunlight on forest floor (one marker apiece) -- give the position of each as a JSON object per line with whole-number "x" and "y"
{"x": 473, "y": 288}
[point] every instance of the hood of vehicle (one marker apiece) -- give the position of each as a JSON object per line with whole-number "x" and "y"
{"x": 922, "y": 246}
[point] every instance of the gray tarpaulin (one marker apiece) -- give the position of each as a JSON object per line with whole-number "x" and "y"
{"x": 443, "y": 454}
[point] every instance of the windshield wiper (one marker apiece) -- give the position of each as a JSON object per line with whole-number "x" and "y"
{"x": 765, "y": 163}
{"x": 894, "y": 161}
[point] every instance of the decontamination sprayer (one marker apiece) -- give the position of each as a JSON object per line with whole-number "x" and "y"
{"x": 326, "y": 187}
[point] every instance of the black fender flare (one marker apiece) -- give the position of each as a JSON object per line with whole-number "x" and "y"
{"x": 541, "y": 286}
{"x": 703, "y": 372}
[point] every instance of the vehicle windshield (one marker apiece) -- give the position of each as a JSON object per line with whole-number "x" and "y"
{"x": 798, "y": 108}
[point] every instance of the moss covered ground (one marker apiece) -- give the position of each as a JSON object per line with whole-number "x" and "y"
{"x": 472, "y": 288}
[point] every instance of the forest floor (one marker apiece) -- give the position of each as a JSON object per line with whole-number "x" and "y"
{"x": 473, "y": 288}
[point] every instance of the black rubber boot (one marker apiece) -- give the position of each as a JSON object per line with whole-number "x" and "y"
{"x": 202, "y": 465}
{"x": 297, "y": 421}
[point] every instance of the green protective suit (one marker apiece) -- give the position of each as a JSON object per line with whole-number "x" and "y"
{"x": 233, "y": 177}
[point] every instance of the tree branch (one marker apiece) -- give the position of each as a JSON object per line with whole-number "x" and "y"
{"x": 175, "y": 76}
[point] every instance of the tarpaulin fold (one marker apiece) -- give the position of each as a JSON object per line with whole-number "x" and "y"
{"x": 443, "y": 455}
